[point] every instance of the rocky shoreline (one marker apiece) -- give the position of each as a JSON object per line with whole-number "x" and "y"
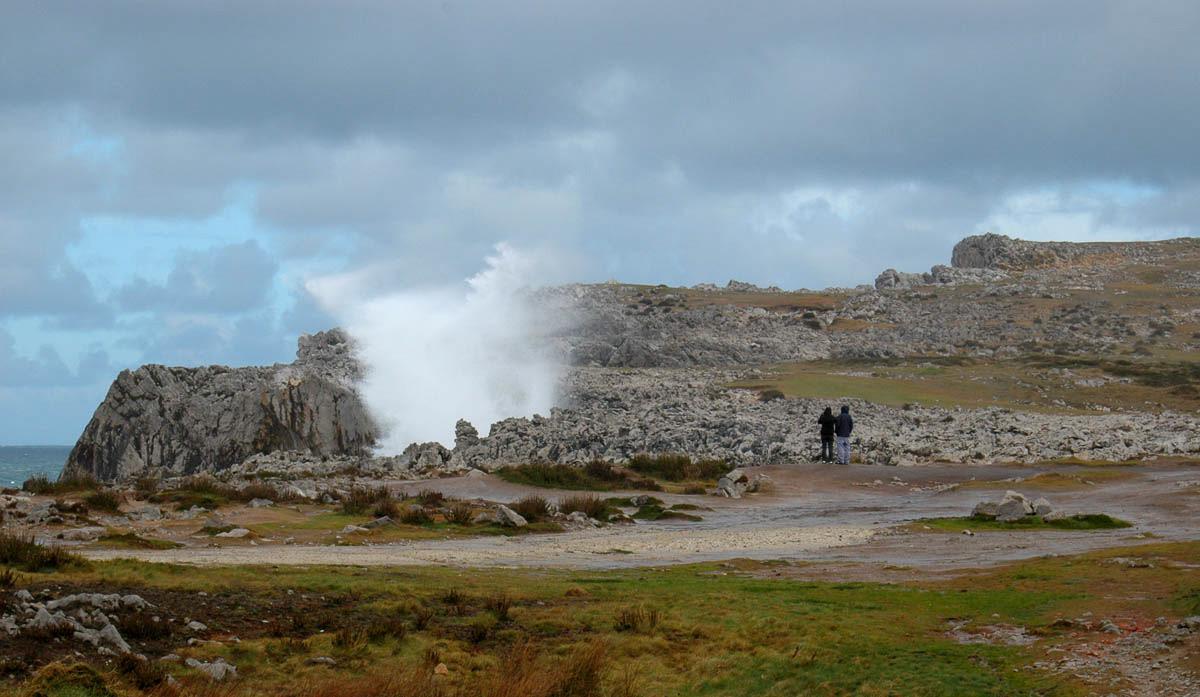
{"x": 651, "y": 369}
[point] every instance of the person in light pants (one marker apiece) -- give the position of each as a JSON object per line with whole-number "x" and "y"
{"x": 843, "y": 427}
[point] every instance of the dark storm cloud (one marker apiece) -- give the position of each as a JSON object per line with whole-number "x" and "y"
{"x": 737, "y": 96}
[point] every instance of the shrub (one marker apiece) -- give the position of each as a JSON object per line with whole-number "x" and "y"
{"x": 460, "y": 514}
{"x": 479, "y": 629}
{"x": 142, "y": 626}
{"x": 593, "y": 506}
{"x": 499, "y": 604}
{"x": 363, "y": 499}
{"x": 431, "y": 498}
{"x": 636, "y": 619}
{"x": 594, "y": 476}
{"x": 387, "y": 508}
{"x": 105, "y": 500}
{"x": 390, "y": 624}
{"x": 351, "y": 639}
{"x": 146, "y": 486}
{"x": 8, "y": 579}
{"x": 532, "y": 508}
{"x": 677, "y": 468}
{"x": 770, "y": 395}
{"x": 144, "y": 674}
{"x": 23, "y": 552}
{"x": 422, "y": 616}
{"x": 39, "y": 484}
{"x": 415, "y": 515}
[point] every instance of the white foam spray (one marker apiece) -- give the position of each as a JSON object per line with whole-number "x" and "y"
{"x": 477, "y": 351}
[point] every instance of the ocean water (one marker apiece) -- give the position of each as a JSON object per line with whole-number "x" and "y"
{"x": 20, "y": 462}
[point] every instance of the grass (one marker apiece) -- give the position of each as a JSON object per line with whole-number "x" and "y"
{"x": 130, "y": 540}
{"x": 678, "y": 468}
{"x": 1090, "y": 521}
{"x": 593, "y": 506}
{"x": 681, "y": 630}
{"x": 23, "y": 552}
{"x": 1056, "y": 481}
{"x": 206, "y": 491}
{"x": 1035, "y": 382}
{"x": 41, "y": 485}
{"x": 595, "y": 476}
{"x": 105, "y": 500}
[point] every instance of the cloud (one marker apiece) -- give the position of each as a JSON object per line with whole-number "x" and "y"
{"x": 231, "y": 279}
{"x": 801, "y": 144}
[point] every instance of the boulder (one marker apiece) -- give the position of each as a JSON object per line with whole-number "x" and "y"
{"x": 88, "y": 534}
{"x": 236, "y": 533}
{"x": 261, "y": 503}
{"x": 1011, "y": 510}
{"x": 217, "y": 671}
{"x": 510, "y": 518}
{"x": 1015, "y": 496}
{"x": 986, "y": 509}
{"x": 1042, "y": 507}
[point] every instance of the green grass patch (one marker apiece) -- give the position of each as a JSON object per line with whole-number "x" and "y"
{"x": 41, "y": 485}
{"x": 594, "y": 476}
{"x": 678, "y": 468}
{"x": 23, "y": 552}
{"x": 130, "y": 540}
{"x": 1092, "y": 521}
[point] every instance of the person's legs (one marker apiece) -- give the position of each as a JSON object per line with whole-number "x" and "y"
{"x": 827, "y": 450}
{"x": 843, "y": 446}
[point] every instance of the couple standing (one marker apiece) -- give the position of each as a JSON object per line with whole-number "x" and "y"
{"x": 841, "y": 426}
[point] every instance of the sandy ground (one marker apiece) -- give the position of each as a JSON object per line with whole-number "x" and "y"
{"x": 850, "y": 521}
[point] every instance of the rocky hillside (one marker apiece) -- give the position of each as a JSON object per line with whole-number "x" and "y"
{"x": 184, "y": 420}
{"x": 1017, "y": 351}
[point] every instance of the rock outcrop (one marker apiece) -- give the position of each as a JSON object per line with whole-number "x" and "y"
{"x": 172, "y": 421}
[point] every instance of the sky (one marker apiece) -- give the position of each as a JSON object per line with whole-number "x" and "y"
{"x": 172, "y": 174}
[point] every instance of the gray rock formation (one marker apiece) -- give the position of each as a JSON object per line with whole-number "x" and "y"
{"x": 175, "y": 421}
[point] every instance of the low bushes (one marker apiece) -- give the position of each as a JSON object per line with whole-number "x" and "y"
{"x": 362, "y": 499}
{"x": 594, "y": 476}
{"x": 105, "y": 500}
{"x": 532, "y": 508}
{"x": 23, "y": 552}
{"x": 593, "y": 506}
{"x": 41, "y": 485}
{"x": 678, "y": 468}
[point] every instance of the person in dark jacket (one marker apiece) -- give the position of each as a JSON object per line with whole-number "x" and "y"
{"x": 843, "y": 427}
{"x": 827, "y": 421}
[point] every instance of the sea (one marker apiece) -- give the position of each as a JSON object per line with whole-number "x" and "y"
{"x": 20, "y": 462}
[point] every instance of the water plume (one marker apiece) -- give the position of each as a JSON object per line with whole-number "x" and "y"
{"x": 478, "y": 350}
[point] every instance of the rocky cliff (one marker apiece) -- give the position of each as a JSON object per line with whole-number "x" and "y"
{"x": 171, "y": 421}
{"x": 653, "y": 369}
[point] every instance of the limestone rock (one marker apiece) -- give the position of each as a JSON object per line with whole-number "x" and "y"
{"x": 986, "y": 509}
{"x": 510, "y": 518}
{"x": 184, "y": 420}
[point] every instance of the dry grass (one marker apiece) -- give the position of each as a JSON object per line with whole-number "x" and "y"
{"x": 106, "y": 500}
{"x": 460, "y": 514}
{"x": 532, "y": 508}
{"x": 636, "y": 619}
{"x": 23, "y": 552}
{"x": 593, "y": 506}
{"x": 39, "y": 484}
{"x": 362, "y": 499}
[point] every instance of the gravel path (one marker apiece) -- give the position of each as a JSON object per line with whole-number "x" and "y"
{"x": 609, "y": 547}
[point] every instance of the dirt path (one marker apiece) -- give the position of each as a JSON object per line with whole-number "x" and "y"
{"x": 842, "y": 517}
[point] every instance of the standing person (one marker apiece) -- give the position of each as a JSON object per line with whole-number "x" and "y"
{"x": 843, "y": 428}
{"x": 827, "y": 422}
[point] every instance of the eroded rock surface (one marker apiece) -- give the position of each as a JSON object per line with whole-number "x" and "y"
{"x": 159, "y": 419}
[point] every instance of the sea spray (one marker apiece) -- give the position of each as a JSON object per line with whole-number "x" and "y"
{"x": 478, "y": 350}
